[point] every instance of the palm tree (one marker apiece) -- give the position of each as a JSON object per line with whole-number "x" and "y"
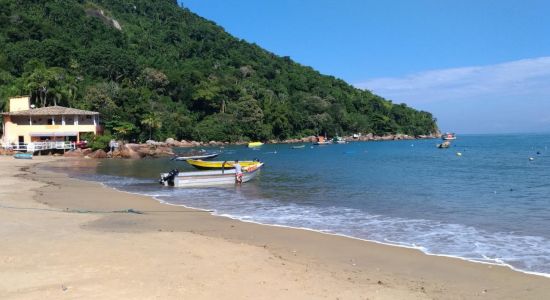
{"x": 152, "y": 120}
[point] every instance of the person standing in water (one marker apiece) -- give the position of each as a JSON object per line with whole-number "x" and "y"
{"x": 238, "y": 172}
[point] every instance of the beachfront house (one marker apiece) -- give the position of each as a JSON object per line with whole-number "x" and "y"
{"x": 55, "y": 125}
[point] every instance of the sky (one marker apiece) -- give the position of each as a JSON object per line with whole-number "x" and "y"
{"x": 479, "y": 66}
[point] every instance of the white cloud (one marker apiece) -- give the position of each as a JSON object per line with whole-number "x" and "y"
{"x": 495, "y": 94}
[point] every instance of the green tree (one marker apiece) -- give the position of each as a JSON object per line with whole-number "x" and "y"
{"x": 152, "y": 121}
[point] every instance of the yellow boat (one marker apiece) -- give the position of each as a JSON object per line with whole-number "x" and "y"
{"x": 209, "y": 165}
{"x": 255, "y": 144}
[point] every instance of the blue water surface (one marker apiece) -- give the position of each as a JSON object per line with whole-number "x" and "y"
{"x": 491, "y": 204}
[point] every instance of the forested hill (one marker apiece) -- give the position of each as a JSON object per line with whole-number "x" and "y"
{"x": 154, "y": 65}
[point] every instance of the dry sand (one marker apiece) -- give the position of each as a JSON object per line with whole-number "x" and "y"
{"x": 48, "y": 250}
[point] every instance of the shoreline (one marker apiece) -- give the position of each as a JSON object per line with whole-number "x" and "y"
{"x": 317, "y": 231}
{"x": 213, "y": 213}
{"x": 358, "y": 266}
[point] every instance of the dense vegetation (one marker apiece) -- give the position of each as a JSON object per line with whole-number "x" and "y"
{"x": 166, "y": 72}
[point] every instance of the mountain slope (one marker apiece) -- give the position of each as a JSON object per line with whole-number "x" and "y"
{"x": 152, "y": 66}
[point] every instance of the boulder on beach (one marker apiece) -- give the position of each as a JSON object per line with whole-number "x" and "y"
{"x": 6, "y": 152}
{"x": 129, "y": 151}
{"x": 74, "y": 153}
{"x": 99, "y": 154}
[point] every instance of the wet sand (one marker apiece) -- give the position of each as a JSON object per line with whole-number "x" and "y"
{"x": 66, "y": 238}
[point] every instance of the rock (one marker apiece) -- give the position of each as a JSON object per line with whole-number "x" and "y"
{"x": 116, "y": 153}
{"x": 74, "y": 153}
{"x": 185, "y": 143}
{"x": 127, "y": 151}
{"x": 163, "y": 152}
{"x": 133, "y": 147}
{"x": 99, "y": 154}
{"x": 170, "y": 141}
{"x": 6, "y": 152}
{"x": 309, "y": 139}
{"x": 87, "y": 151}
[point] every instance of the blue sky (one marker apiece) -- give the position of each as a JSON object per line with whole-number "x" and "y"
{"x": 479, "y": 66}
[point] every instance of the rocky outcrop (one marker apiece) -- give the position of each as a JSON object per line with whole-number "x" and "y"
{"x": 74, "y": 153}
{"x": 98, "y": 154}
{"x": 130, "y": 151}
{"x": 307, "y": 139}
{"x": 6, "y": 152}
{"x": 145, "y": 150}
{"x": 107, "y": 20}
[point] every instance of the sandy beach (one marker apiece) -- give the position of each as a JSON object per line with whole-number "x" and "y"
{"x": 63, "y": 238}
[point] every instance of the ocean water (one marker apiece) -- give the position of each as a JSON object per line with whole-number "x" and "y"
{"x": 491, "y": 204}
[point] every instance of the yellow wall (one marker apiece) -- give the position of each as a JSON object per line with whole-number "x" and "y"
{"x": 20, "y": 103}
{"x": 12, "y": 131}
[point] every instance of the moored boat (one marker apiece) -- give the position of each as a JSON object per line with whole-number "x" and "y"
{"x": 339, "y": 140}
{"x": 448, "y": 136}
{"x": 213, "y": 165}
{"x": 255, "y": 144}
{"x": 298, "y": 147}
{"x": 23, "y": 156}
{"x": 322, "y": 141}
{"x": 208, "y": 178}
{"x": 203, "y": 156}
{"x": 444, "y": 145}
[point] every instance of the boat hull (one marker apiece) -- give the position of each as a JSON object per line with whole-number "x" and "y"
{"x": 23, "y": 156}
{"x": 255, "y": 144}
{"x": 448, "y": 136}
{"x": 211, "y": 178}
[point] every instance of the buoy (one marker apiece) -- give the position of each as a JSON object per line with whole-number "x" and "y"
{"x": 458, "y": 154}
{"x": 531, "y": 158}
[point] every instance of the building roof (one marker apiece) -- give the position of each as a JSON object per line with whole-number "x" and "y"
{"x": 51, "y": 111}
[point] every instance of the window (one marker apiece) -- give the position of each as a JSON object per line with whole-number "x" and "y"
{"x": 50, "y": 121}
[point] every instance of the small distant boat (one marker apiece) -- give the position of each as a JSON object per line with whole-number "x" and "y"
{"x": 23, "y": 156}
{"x": 255, "y": 144}
{"x": 203, "y": 156}
{"x": 338, "y": 140}
{"x": 322, "y": 141}
{"x": 213, "y": 165}
{"x": 448, "y": 136}
{"x": 208, "y": 178}
{"x": 444, "y": 145}
{"x": 298, "y": 147}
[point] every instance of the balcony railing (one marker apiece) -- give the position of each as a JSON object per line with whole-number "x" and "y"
{"x": 40, "y": 146}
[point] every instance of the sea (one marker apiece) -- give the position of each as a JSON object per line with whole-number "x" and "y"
{"x": 484, "y": 199}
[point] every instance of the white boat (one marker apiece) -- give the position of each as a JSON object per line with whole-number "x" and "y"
{"x": 207, "y": 178}
{"x": 339, "y": 140}
{"x": 448, "y": 136}
{"x": 322, "y": 140}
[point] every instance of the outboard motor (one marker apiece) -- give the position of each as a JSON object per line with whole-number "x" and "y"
{"x": 169, "y": 178}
